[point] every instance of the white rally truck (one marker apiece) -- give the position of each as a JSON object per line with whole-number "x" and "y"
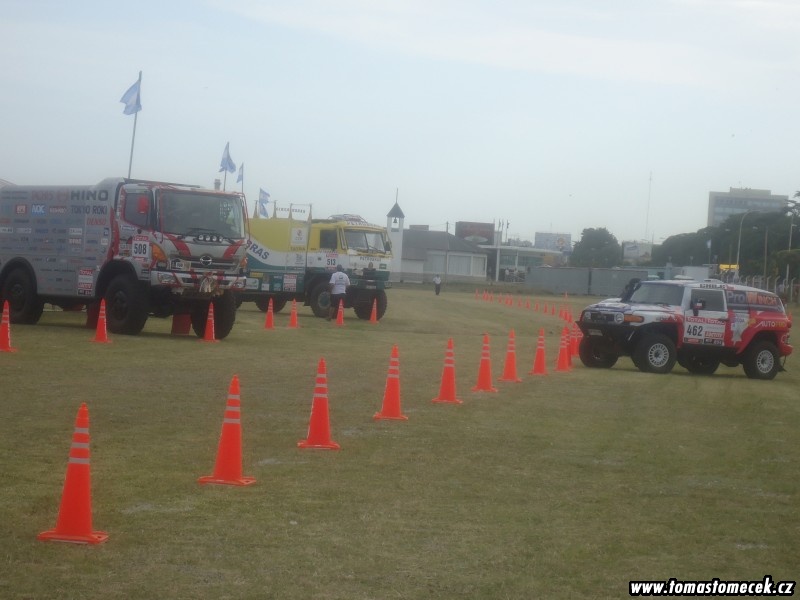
{"x": 146, "y": 247}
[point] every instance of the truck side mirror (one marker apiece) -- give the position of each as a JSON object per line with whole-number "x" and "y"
{"x": 388, "y": 245}
{"x": 698, "y": 306}
{"x": 143, "y": 205}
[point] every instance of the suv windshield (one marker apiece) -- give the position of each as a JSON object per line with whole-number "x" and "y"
{"x": 658, "y": 293}
{"x": 368, "y": 241}
{"x": 190, "y": 213}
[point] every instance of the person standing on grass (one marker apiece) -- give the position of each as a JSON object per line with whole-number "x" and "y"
{"x": 437, "y": 283}
{"x": 338, "y": 289}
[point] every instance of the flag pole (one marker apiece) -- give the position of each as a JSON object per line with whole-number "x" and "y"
{"x": 133, "y": 137}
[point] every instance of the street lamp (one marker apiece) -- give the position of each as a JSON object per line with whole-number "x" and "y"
{"x": 791, "y": 205}
{"x": 739, "y": 244}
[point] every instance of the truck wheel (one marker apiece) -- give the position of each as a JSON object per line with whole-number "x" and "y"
{"x": 364, "y": 309}
{"x": 383, "y": 304}
{"x": 126, "y": 306}
{"x": 277, "y": 303}
{"x": 320, "y": 300}
{"x": 655, "y": 353}
{"x": 699, "y": 365}
{"x": 761, "y": 361}
{"x": 596, "y": 355}
{"x": 224, "y": 316}
{"x": 262, "y": 302}
{"x": 24, "y": 306}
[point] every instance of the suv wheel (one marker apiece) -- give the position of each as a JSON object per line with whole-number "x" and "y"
{"x": 655, "y": 353}
{"x": 761, "y": 361}
{"x": 699, "y": 365}
{"x": 596, "y": 355}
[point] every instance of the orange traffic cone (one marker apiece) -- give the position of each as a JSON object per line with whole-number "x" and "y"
{"x": 74, "y": 524}
{"x": 553, "y": 308}
{"x": 101, "y": 335}
{"x": 5, "y": 331}
{"x": 269, "y": 320}
{"x": 447, "y": 389}
{"x": 510, "y": 367}
{"x": 391, "y": 395}
{"x": 544, "y": 308}
{"x": 485, "y": 369}
{"x": 208, "y": 334}
{"x": 181, "y": 324}
{"x": 539, "y": 367}
{"x": 568, "y": 343}
{"x": 340, "y": 314}
{"x": 293, "y": 315}
{"x": 563, "y": 355}
{"x": 373, "y": 316}
{"x": 319, "y": 428}
{"x": 228, "y": 467}
{"x": 575, "y": 339}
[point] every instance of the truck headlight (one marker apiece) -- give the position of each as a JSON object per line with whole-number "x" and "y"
{"x": 618, "y": 318}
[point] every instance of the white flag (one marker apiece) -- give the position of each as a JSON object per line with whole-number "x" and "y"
{"x": 132, "y": 98}
{"x": 227, "y": 164}
{"x": 263, "y": 200}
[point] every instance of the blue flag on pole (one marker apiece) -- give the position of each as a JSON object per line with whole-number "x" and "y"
{"x": 263, "y": 200}
{"x": 241, "y": 173}
{"x": 227, "y": 164}
{"x": 132, "y": 98}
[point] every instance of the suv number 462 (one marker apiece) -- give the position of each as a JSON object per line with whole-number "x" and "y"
{"x": 694, "y": 330}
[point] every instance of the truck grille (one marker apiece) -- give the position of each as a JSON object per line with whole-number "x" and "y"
{"x": 204, "y": 263}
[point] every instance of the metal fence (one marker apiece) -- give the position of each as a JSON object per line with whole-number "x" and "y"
{"x": 776, "y": 285}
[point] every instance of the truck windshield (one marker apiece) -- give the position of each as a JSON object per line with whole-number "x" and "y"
{"x": 658, "y": 293}
{"x": 366, "y": 241}
{"x": 193, "y": 213}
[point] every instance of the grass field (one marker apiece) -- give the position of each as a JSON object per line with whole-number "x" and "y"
{"x": 564, "y": 486}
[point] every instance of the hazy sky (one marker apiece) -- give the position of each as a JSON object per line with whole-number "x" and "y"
{"x": 550, "y": 114}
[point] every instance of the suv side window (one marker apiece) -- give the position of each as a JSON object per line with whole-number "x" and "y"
{"x": 710, "y": 299}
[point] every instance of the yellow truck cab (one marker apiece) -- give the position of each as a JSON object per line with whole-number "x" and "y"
{"x": 293, "y": 259}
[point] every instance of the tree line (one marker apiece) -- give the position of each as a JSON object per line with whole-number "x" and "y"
{"x": 767, "y": 242}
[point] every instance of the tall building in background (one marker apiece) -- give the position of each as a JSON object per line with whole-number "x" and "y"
{"x": 722, "y": 205}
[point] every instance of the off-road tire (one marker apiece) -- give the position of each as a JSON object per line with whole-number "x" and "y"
{"x": 594, "y": 356}
{"x": 126, "y": 306}
{"x": 761, "y": 360}
{"x": 262, "y": 302}
{"x": 364, "y": 310}
{"x": 655, "y": 353}
{"x": 24, "y": 306}
{"x": 320, "y": 300}
{"x": 224, "y": 316}
{"x": 698, "y": 364}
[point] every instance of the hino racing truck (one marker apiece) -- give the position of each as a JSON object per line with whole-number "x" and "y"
{"x": 146, "y": 247}
{"x": 292, "y": 259}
